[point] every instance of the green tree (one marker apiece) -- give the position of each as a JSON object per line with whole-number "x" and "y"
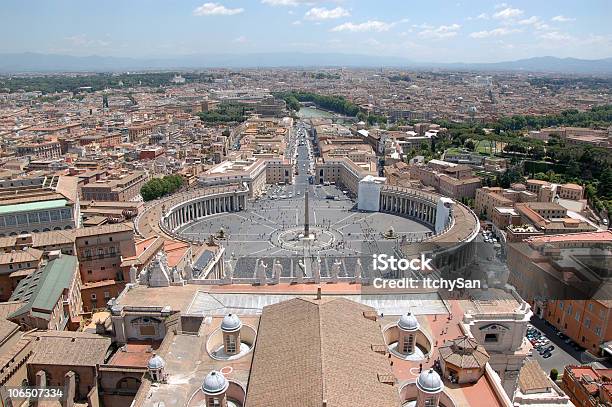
{"x": 554, "y": 374}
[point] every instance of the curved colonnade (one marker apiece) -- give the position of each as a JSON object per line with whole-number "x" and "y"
{"x": 451, "y": 247}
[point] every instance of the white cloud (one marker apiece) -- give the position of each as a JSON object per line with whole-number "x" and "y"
{"x": 289, "y": 3}
{"x": 297, "y": 22}
{"x": 562, "y": 19}
{"x": 497, "y": 32}
{"x": 500, "y": 5}
{"x": 535, "y": 22}
{"x": 240, "y": 40}
{"x": 528, "y": 21}
{"x": 508, "y": 13}
{"x": 371, "y": 25}
{"x": 443, "y": 31}
{"x": 481, "y": 16}
{"x": 555, "y": 36}
{"x": 216, "y": 9}
{"x": 322, "y": 13}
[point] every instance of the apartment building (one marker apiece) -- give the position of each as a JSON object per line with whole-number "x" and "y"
{"x": 50, "y": 296}
{"x": 123, "y": 187}
{"x": 488, "y": 198}
{"x": 43, "y": 150}
{"x": 454, "y": 180}
{"x": 15, "y": 265}
{"x": 563, "y": 276}
{"x": 543, "y": 189}
{"x": 586, "y": 322}
{"x": 587, "y": 386}
{"x": 570, "y": 191}
{"x": 547, "y": 191}
{"x": 100, "y": 251}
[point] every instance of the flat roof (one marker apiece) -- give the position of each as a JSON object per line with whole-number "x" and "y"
{"x": 33, "y": 206}
{"x": 215, "y": 303}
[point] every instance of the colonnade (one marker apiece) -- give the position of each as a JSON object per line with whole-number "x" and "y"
{"x": 404, "y": 205}
{"x": 190, "y": 211}
{"x": 456, "y": 259}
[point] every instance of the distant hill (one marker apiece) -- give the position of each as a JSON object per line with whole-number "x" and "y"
{"x": 35, "y": 62}
{"x": 546, "y": 64}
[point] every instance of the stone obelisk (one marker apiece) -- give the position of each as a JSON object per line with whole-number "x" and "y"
{"x": 306, "y": 221}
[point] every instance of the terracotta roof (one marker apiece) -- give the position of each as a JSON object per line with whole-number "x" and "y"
{"x": 21, "y": 256}
{"x": 464, "y": 353}
{"x": 66, "y": 348}
{"x": 105, "y": 229}
{"x": 601, "y": 236}
{"x": 8, "y": 307}
{"x": 6, "y": 329}
{"x": 311, "y": 351}
{"x": 54, "y": 237}
{"x": 532, "y": 377}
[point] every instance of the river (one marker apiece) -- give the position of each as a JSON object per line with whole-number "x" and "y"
{"x": 311, "y": 112}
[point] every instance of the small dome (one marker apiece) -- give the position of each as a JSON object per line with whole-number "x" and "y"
{"x": 231, "y": 323}
{"x": 408, "y": 322}
{"x": 429, "y": 381}
{"x": 156, "y": 362}
{"x": 215, "y": 383}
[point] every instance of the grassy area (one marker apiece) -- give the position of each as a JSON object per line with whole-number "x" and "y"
{"x": 488, "y": 147}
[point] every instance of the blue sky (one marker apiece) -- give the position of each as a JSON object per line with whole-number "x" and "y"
{"x": 432, "y": 30}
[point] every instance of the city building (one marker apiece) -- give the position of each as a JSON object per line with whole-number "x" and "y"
{"x": 38, "y": 204}
{"x": 50, "y": 297}
{"x": 587, "y": 386}
{"x": 124, "y": 188}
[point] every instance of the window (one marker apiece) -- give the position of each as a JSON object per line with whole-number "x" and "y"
{"x": 491, "y": 338}
{"x": 590, "y": 306}
{"x": 106, "y": 295}
{"x": 408, "y": 344}
{"x": 587, "y": 322}
{"x": 598, "y": 331}
{"x": 430, "y": 401}
{"x": 230, "y": 344}
{"x": 93, "y": 297}
{"x": 22, "y": 219}
{"x": 577, "y": 316}
{"x": 560, "y": 304}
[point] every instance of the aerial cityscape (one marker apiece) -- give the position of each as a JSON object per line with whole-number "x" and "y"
{"x": 290, "y": 203}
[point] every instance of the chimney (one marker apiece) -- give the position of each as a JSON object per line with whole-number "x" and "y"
{"x": 318, "y": 298}
{"x": 324, "y": 403}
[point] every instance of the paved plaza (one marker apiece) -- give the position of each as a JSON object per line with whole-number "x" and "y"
{"x": 272, "y": 226}
{"x": 258, "y": 232}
